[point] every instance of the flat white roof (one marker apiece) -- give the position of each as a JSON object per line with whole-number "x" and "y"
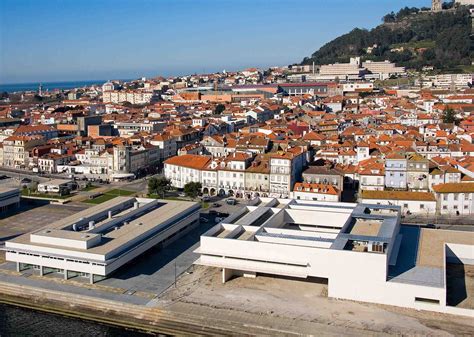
{"x": 130, "y": 224}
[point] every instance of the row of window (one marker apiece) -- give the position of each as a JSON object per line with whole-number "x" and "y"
{"x": 456, "y": 196}
{"x": 56, "y": 258}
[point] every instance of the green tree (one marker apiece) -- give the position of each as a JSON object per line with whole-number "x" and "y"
{"x": 158, "y": 186}
{"x": 390, "y": 17}
{"x": 219, "y": 109}
{"x": 447, "y": 33}
{"x": 449, "y": 116}
{"x": 192, "y": 189}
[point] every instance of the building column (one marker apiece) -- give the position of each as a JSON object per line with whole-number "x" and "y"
{"x": 66, "y": 274}
{"x": 250, "y": 274}
{"x": 226, "y": 274}
{"x": 41, "y": 270}
{"x": 18, "y": 267}
{"x": 91, "y": 278}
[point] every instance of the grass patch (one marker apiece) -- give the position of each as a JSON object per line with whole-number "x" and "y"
{"x": 26, "y": 193}
{"x": 90, "y": 188}
{"x": 109, "y": 195}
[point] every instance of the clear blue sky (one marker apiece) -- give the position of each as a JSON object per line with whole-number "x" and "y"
{"x": 54, "y": 40}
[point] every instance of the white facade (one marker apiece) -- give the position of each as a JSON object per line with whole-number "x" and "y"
{"x": 454, "y": 203}
{"x": 357, "y": 248}
{"x": 133, "y": 97}
{"x": 9, "y": 196}
{"x": 97, "y": 241}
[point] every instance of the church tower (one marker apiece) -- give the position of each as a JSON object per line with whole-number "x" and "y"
{"x": 436, "y": 5}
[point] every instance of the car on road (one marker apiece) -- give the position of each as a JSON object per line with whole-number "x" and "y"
{"x": 432, "y": 226}
{"x": 181, "y": 194}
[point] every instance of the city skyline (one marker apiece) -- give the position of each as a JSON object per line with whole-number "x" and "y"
{"x": 150, "y": 38}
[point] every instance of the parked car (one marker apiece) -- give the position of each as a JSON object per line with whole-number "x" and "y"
{"x": 181, "y": 194}
{"x": 231, "y": 201}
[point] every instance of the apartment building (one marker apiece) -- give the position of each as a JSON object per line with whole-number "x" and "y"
{"x": 131, "y": 128}
{"x": 184, "y": 169}
{"x": 133, "y": 97}
{"x": 257, "y": 178}
{"x": 166, "y": 145}
{"x": 46, "y": 131}
{"x": 417, "y": 172}
{"x": 442, "y": 175}
{"x": 449, "y": 80}
{"x": 455, "y": 198}
{"x": 16, "y": 150}
{"x": 231, "y": 174}
{"x": 285, "y": 169}
{"x": 317, "y": 192}
{"x": 396, "y": 171}
{"x": 324, "y": 175}
{"x": 423, "y": 203}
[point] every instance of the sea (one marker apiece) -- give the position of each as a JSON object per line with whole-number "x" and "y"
{"x": 16, "y": 321}
{"x": 15, "y": 87}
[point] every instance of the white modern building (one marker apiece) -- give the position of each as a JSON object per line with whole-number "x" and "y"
{"x": 383, "y": 69}
{"x": 95, "y": 242}
{"x": 9, "y": 196}
{"x": 361, "y": 250}
{"x": 58, "y": 186}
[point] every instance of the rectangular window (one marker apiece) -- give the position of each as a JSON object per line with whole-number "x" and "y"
{"x": 426, "y": 300}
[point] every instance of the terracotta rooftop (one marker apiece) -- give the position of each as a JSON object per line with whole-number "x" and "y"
{"x": 398, "y": 195}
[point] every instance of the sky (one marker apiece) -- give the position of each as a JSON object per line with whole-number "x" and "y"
{"x": 69, "y": 40}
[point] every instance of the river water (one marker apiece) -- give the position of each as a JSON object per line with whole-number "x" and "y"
{"x": 15, "y": 321}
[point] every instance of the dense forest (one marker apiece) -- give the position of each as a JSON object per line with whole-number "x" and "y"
{"x": 412, "y": 38}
